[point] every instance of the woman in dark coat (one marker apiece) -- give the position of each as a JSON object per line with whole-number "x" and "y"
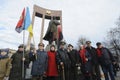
{"x": 17, "y": 64}
{"x": 86, "y": 64}
{"x": 39, "y": 65}
{"x": 52, "y": 72}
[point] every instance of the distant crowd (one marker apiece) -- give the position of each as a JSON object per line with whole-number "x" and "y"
{"x": 64, "y": 63}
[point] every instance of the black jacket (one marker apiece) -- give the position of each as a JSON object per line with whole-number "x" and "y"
{"x": 74, "y": 57}
{"x": 62, "y": 56}
{"x": 17, "y": 63}
{"x": 92, "y": 51}
{"x": 107, "y": 57}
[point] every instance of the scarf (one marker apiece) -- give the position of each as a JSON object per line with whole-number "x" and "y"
{"x": 82, "y": 55}
{"x": 99, "y": 52}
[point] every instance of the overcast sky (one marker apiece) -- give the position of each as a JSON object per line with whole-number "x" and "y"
{"x": 89, "y": 18}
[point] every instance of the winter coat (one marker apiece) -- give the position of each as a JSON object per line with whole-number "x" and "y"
{"x": 106, "y": 57}
{"x": 93, "y": 54}
{"x": 52, "y": 65}
{"x": 74, "y": 57}
{"x": 39, "y": 65}
{"x": 62, "y": 56}
{"x": 16, "y": 70}
{"x": 5, "y": 64}
{"x": 86, "y": 66}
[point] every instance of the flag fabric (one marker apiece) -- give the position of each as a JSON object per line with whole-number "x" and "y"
{"x": 20, "y": 23}
{"x": 27, "y": 23}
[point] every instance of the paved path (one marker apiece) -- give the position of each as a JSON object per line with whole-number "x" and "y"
{"x": 118, "y": 76}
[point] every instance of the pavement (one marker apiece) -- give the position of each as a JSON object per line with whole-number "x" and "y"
{"x": 118, "y": 76}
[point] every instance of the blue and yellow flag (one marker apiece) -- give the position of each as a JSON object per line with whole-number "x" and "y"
{"x": 27, "y": 23}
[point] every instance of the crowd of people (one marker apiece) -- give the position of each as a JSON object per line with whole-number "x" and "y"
{"x": 65, "y": 63}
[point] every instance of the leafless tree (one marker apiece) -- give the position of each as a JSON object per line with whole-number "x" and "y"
{"x": 81, "y": 41}
{"x": 113, "y": 39}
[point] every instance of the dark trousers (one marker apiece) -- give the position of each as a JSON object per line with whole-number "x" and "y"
{"x": 88, "y": 78}
{"x": 73, "y": 73}
{"x": 108, "y": 69}
{"x": 52, "y": 78}
{"x": 37, "y": 77}
{"x": 64, "y": 75}
{"x": 96, "y": 72}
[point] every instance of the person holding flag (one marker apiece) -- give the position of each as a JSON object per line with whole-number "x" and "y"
{"x": 20, "y": 58}
{"x": 17, "y": 60}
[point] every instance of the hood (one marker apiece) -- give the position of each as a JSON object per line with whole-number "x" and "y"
{"x": 2, "y": 57}
{"x": 4, "y": 50}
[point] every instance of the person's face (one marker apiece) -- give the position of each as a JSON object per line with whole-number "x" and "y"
{"x": 21, "y": 49}
{"x": 100, "y": 46}
{"x": 70, "y": 47}
{"x": 62, "y": 46}
{"x": 88, "y": 44}
{"x": 82, "y": 47}
{"x": 3, "y": 53}
{"x": 41, "y": 47}
{"x": 52, "y": 48}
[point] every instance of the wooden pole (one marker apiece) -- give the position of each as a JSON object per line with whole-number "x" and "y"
{"x": 23, "y": 56}
{"x": 29, "y": 38}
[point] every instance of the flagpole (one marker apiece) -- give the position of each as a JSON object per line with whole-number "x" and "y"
{"x": 33, "y": 40}
{"x": 23, "y": 72}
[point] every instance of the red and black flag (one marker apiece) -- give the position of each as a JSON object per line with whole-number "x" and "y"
{"x": 20, "y": 23}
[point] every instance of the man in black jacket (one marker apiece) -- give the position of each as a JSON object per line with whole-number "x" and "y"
{"x": 74, "y": 58}
{"x": 64, "y": 62}
{"x": 95, "y": 64}
{"x": 105, "y": 59}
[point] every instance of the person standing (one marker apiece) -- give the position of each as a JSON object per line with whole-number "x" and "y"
{"x": 5, "y": 64}
{"x": 28, "y": 70}
{"x": 106, "y": 59}
{"x": 40, "y": 60}
{"x": 63, "y": 62}
{"x": 17, "y": 64}
{"x": 74, "y": 58}
{"x": 95, "y": 65}
{"x": 52, "y": 72}
{"x": 86, "y": 63}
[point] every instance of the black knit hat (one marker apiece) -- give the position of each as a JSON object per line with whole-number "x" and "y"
{"x": 98, "y": 43}
{"x": 70, "y": 45}
{"x": 88, "y": 42}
